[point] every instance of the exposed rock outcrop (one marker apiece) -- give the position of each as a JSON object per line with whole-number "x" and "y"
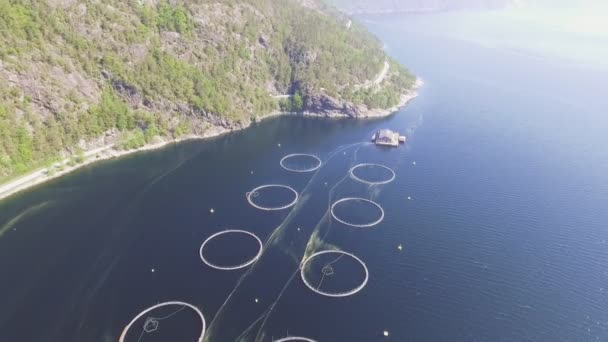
{"x": 325, "y": 105}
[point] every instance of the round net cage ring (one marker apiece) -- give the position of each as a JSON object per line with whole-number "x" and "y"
{"x": 251, "y": 193}
{"x": 151, "y": 324}
{"x": 357, "y": 225}
{"x": 235, "y": 267}
{"x": 333, "y": 294}
{"x": 358, "y": 179}
{"x": 295, "y": 339}
{"x": 311, "y": 169}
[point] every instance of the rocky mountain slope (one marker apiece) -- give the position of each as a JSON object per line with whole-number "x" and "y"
{"x": 79, "y": 74}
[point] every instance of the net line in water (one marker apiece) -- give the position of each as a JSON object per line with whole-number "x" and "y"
{"x": 273, "y": 237}
{"x": 110, "y": 256}
{"x": 327, "y": 270}
{"x": 311, "y": 245}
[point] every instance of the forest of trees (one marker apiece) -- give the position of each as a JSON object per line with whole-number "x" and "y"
{"x": 142, "y": 64}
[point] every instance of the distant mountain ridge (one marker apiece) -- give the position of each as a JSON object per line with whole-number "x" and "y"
{"x": 415, "y": 6}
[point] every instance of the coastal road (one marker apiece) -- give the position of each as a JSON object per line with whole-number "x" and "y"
{"x": 41, "y": 175}
{"x": 382, "y": 74}
{"x": 279, "y": 97}
{"x": 368, "y": 84}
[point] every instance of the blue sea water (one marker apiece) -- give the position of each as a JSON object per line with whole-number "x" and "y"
{"x": 499, "y": 205}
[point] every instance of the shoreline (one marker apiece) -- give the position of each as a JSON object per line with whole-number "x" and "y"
{"x": 109, "y": 152}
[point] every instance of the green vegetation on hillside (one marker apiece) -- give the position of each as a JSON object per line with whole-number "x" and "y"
{"x": 78, "y": 71}
{"x": 386, "y": 96}
{"x": 292, "y": 104}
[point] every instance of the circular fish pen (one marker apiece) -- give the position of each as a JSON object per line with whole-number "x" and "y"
{"x": 328, "y": 269}
{"x": 235, "y": 267}
{"x": 295, "y": 339}
{"x": 153, "y": 323}
{"x": 315, "y": 165}
{"x": 255, "y": 193}
{"x": 389, "y": 177}
{"x": 335, "y": 206}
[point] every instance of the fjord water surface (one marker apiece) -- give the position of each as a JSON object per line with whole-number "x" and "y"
{"x": 502, "y": 219}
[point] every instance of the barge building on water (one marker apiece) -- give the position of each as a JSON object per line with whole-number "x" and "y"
{"x": 386, "y": 137}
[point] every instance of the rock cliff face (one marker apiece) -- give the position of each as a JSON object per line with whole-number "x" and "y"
{"x": 324, "y": 105}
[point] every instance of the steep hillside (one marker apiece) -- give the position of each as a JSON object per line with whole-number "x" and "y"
{"x": 79, "y": 74}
